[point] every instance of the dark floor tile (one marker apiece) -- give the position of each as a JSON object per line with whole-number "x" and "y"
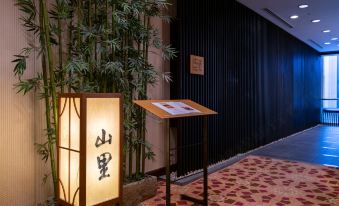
{"x": 319, "y": 145}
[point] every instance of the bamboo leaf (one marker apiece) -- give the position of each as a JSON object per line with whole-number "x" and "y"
{"x": 126, "y": 7}
{"x": 168, "y": 52}
{"x": 28, "y": 85}
{"x": 44, "y": 179}
{"x": 77, "y": 65}
{"x": 27, "y": 6}
{"x": 20, "y": 66}
{"x": 166, "y": 18}
{"x": 42, "y": 150}
{"x": 114, "y": 68}
{"x": 162, "y": 3}
{"x": 167, "y": 77}
{"x": 114, "y": 44}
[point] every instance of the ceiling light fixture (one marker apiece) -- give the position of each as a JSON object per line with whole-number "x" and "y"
{"x": 294, "y": 17}
{"x": 334, "y": 38}
{"x": 327, "y": 43}
{"x": 315, "y": 20}
{"x": 327, "y": 31}
{"x": 303, "y": 6}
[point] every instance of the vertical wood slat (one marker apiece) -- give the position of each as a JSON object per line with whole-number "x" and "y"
{"x": 263, "y": 82}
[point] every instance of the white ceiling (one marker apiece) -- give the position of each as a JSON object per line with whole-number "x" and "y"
{"x": 310, "y": 33}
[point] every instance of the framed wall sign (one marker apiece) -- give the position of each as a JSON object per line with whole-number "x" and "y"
{"x": 197, "y": 65}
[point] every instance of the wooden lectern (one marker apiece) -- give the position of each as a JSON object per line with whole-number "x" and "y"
{"x": 161, "y": 113}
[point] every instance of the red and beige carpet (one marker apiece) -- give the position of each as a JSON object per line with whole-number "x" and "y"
{"x": 261, "y": 181}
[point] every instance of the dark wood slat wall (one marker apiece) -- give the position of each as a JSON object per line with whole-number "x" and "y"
{"x": 264, "y": 83}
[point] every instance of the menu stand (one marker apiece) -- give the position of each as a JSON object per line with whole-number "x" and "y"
{"x": 149, "y": 106}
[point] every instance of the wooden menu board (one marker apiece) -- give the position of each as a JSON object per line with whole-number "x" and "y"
{"x": 151, "y": 107}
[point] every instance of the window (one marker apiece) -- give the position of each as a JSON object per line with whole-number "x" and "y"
{"x": 330, "y": 81}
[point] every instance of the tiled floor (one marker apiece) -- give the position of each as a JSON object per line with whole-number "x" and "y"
{"x": 319, "y": 145}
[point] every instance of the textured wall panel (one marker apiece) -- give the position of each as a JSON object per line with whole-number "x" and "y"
{"x": 264, "y": 83}
{"x": 17, "y": 178}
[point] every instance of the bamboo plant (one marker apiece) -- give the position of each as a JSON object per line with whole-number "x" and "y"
{"x": 94, "y": 46}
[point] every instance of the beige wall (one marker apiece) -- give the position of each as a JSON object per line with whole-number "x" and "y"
{"x": 17, "y": 155}
{"x": 156, "y": 130}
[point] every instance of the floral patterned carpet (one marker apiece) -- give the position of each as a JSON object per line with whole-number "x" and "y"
{"x": 261, "y": 181}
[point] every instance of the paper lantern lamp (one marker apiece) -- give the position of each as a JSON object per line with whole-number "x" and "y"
{"x": 89, "y": 147}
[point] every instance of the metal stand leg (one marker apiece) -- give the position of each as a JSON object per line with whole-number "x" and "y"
{"x": 205, "y": 167}
{"x": 205, "y": 161}
{"x": 168, "y": 164}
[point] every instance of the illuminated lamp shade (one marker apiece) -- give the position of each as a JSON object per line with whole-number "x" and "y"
{"x": 89, "y": 147}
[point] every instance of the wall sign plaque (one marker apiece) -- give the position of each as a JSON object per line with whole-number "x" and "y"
{"x": 197, "y": 65}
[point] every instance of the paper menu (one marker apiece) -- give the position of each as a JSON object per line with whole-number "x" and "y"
{"x": 176, "y": 108}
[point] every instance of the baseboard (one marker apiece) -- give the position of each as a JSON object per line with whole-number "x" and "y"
{"x": 161, "y": 171}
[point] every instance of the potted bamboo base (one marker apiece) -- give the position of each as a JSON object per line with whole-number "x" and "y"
{"x": 136, "y": 192}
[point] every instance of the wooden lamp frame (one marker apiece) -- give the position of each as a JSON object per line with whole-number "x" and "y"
{"x": 83, "y": 143}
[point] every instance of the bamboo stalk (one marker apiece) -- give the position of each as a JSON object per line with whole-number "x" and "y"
{"x": 139, "y": 130}
{"x": 45, "y": 43}
{"x": 95, "y": 42}
{"x": 90, "y": 41}
{"x": 138, "y": 150}
{"x": 143, "y": 116}
{"x": 107, "y": 23}
{"x": 70, "y": 38}
{"x": 105, "y": 56}
{"x": 113, "y": 29}
{"x": 114, "y": 84}
{"x": 79, "y": 19}
{"x": 60, "y": 50}
{"x": 129, "y": 99}
{"x": 50, "y": 62}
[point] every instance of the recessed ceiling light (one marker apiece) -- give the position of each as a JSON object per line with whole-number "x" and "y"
{"x": 327, "y": 43}
{"x": 303, "y": 6}
{"x": 294, "y": 17}
{"x": 326, "y": 31}
{"x": 334, "y": 38}
{"x": 315, "y": 20}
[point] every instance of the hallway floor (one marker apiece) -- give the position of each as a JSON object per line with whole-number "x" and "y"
{"x": 302, "y": 169}
{"x": 318, "y": 145}
{"x": 264, "y": 181}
